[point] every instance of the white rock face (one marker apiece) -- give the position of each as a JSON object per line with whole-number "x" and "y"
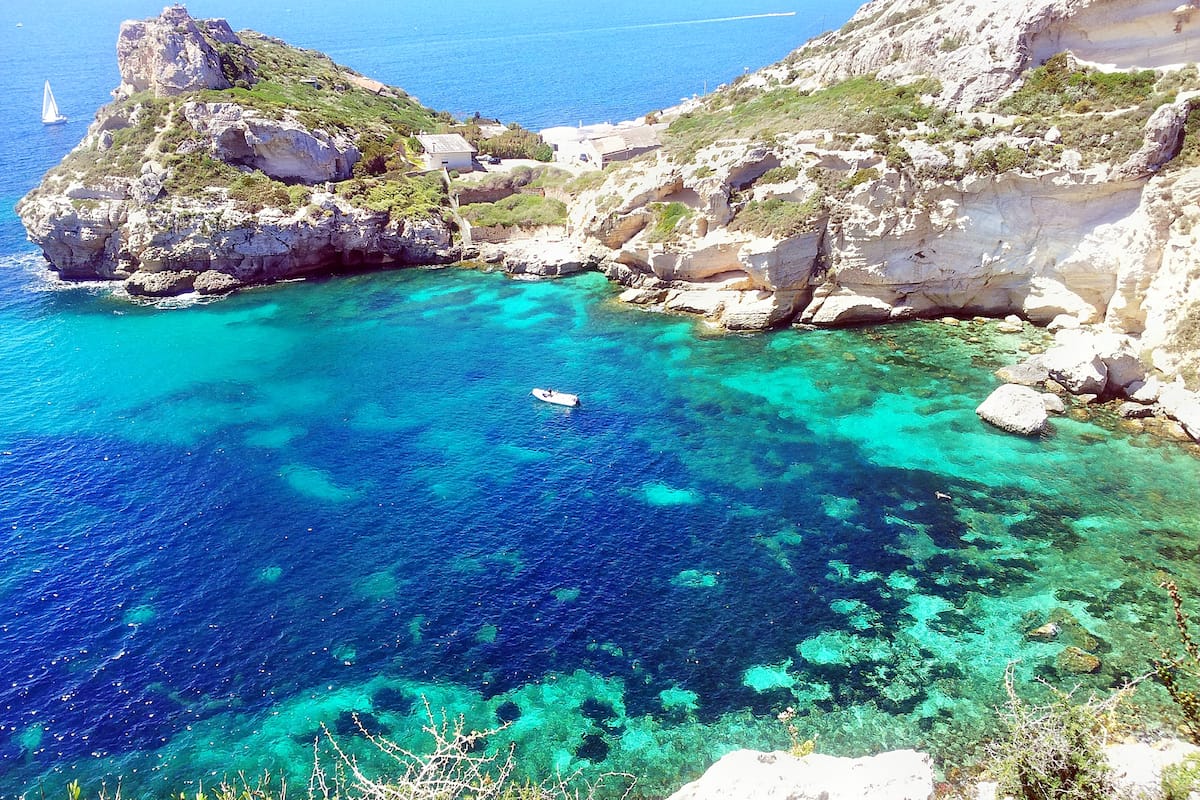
{"x": 1137, "y": 768}
{"x": 116, "y": 238}
{"x": 283, "y": 149}
{"x": 749, "y": 775}
{"x": 978, "y": 48}
{"x": 1077, "y": 367}
{"x": 174, "y": 53}
{"x": 1163, "y": 132}
{"x": 832, "y": 306}
{"x": 1016, "y": 409}
{"x": 989, "y": 246}
{"x": 1182, "y": 406}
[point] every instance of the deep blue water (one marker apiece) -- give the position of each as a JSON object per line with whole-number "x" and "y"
{"x": 225, "y": 525}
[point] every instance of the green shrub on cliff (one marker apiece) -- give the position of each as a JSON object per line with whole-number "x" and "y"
{"x": 782, "y": 174}
{"x": 863, "y": 104}
{"x": 325, "y": 94}
{"x": 129, "y": 145}
{"x": 1060, "y": 84}
{"x": 191, "y": 174}
{"x": 1055, "y": 751}
{"x": 667, "y": 218}
{"x": 1180, "y": 781}
{"x": 780, "y": 219}
{"x": 255, "y": 191}
{"x": 403, "y": 198}
{"x": 517, "y": 211}
{"x": 515, "y": 142}
{"x": 999, "y": 159}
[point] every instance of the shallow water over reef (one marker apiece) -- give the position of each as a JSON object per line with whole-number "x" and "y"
{"x": 227, "y": 524}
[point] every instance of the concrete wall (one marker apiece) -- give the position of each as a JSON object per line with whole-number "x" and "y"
{"x": 458, "y": 161}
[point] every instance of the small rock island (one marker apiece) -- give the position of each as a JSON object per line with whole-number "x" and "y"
{"x": 229, "y": 159}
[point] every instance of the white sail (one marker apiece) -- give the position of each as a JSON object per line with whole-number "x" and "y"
{"x": 50, "y": 115}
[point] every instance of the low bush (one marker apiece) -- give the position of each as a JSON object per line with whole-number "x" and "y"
{"x": 515, "y": 142}
{"x": 1181, "y": 781}
{"x": 517, "y": 211}
{"x": 667, "y": 218}
{"x": 857, "y": 105}
{"x": 401, "y": 197}
{"x": 996, "y": 160}
{"x": 783, "y": 174}
{"x": 1055, "y": 751}
{"x": 1060, "y": 84}
{"x": 780, "y": 219}
{"x": 255, "y": 191}
{"x": 858, "y": 178}
{"x": 380, "y": 153}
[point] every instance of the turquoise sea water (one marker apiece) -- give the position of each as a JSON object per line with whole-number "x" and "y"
{"x": 225, "y": 525}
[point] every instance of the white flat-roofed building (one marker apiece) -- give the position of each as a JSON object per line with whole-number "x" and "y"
{"x": 446, "y": 151}
{"x": 597, "y": 145}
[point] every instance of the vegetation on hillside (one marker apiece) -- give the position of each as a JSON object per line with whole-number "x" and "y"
{"x": 286, "y": 77}
{"x": 517, "y": 211}
{"x": 516, "y": 179}
{"x": 402, "y": 197}
{"x": 780, "y": 219}
{"x": 1060, "y": 84}
{"x": 667, "y": 219}
{"x": 304, "y": 83}
{"x": 1102, "y": 115}
{"x": 515, "y": 142}
{"x": 857, "y": 105}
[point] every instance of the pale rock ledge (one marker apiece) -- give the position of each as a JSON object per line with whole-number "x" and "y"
{"x": 751, "y": 775}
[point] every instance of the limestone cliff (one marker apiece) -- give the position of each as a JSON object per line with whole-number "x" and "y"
{"x": 199, "y": 177}
{"x": 934, "y": 157}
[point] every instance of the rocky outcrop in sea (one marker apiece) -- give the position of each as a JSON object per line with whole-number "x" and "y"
{"x": 190, "y": 181}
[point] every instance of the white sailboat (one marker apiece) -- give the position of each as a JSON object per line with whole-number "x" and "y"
{"x": 50, "y": 115}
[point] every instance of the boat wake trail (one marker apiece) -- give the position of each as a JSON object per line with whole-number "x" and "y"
{"x": 677, "y": 23}
{"x": 623, "y": 28}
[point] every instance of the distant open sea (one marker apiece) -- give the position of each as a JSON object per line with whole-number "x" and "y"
{"x": 226, "y": 525}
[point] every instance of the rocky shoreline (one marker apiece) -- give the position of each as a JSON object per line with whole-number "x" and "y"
{"x": 916, "y": 208}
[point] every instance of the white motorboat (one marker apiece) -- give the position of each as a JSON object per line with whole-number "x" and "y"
{"x": 557, "y": 398}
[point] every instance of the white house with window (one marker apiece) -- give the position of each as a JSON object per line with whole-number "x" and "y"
{"x": 446, "y": 151}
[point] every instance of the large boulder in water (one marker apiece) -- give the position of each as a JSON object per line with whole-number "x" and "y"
{"x": 750, "y": 775}
{"x": 1077, "y": 367}
{"x": 1016, "y": 409}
